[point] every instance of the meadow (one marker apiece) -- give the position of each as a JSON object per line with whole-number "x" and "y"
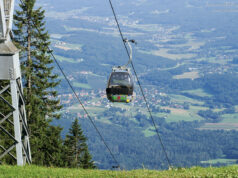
{"x": 35, "y": 171}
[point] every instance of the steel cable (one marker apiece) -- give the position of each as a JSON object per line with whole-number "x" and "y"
{"x": 141, "y": 89}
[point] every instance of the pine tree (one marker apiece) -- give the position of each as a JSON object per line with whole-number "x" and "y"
{"x": 76, "y": 149}
{"x": 53, "y": 147}
{"x": 86, "y": 160}
{"x": 38, "y": 80}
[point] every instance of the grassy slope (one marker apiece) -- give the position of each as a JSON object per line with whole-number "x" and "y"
{"x": 34, "y": 171}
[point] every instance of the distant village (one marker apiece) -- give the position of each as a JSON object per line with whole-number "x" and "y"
{"x": 158, "y": 101}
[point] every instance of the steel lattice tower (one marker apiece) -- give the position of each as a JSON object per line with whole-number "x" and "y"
{"x": 14, "y": 134}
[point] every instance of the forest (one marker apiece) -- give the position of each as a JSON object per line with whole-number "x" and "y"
{"x": 185, "y": 144}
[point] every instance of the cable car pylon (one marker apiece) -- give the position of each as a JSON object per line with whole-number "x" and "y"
{"x": 13, "y": 122}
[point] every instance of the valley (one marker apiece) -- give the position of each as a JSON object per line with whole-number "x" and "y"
{"x": 187, "y": 65}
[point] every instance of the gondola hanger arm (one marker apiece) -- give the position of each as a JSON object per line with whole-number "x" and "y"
{"x": 126, "y": 41}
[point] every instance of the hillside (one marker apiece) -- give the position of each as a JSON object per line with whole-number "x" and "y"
{"x": 186, "y": 59}
{"x": 34, "y": 171}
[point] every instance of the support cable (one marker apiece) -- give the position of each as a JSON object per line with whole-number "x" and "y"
{"x": 77, "y": 97}
{"x": 89, "y": 117}
{"x": 141, "y": 89}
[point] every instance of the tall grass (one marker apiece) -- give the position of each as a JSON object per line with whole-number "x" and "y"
{"x": 35, "y": 171}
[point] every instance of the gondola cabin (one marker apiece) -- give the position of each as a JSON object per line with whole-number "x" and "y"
{"x": 120, "y": 85}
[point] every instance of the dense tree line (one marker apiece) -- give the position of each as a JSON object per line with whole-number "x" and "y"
{"x": 212, "y": 116}
{"x": 135, "y": 144}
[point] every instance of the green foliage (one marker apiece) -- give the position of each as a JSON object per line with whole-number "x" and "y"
{"x": 223, "y": 87}
{"x": 209, "y": 114}
{"x": 76, "y": 150}
{"x": 185, "y": 143}
{"x": 50, "y": 147}
{"x": 39, "y": 84}
{"x": 34, "y": 41}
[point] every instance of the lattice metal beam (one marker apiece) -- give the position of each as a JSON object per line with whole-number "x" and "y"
{"x": 16, "y": 111}
{"x": 13, "y": 123}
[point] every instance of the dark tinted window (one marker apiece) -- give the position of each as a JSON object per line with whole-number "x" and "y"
{"x": 120, "y": 78}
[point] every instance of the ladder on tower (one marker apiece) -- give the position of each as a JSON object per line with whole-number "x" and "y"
{"x": 14, "y": 131}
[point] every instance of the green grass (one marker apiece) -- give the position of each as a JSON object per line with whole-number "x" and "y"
{"x": 219, "y": 126}
{"x": 229, "y": 122}
{"x": 180, "y": 117}
{"x": 34, "y": 171}
{"x": 187, "y": 75}
{"x": 230, "y": 118}
{"x": 177, "y": 115}
{"x": 224, "y": 161}
{"x": 94, "y": 109}
{"x": 81, "y": 85}
{"x": 182, "y": 99}
{"x": 105, "y": 120}
{"x": 65, "y": 46}
{"x": 160, "y": 114}
{"x": 75, "y": 46}
{"x": 198, "y": 92}
{"x": 164, "y": 52}
{"x": 57, "y": 36}
{"x": 66, "y": 59}
{"x": 195, "y": 109}
{"x": 213, "y": 60}
{"x": 150, "y": 131}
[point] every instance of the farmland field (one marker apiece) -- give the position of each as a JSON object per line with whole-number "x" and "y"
{"x": 189, "y": 75}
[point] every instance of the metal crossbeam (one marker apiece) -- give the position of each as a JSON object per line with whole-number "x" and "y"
{"x": 20, "y": 139}
{"x": 7, "y": 151}
{"x": 8, "y": 133}
{"x": 6, "y": 102}
{"x": 5, "y": 118}
{"x": 13, "y": 121}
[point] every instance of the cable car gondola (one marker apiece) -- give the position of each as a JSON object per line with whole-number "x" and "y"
{"x": 120, "y": 85}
